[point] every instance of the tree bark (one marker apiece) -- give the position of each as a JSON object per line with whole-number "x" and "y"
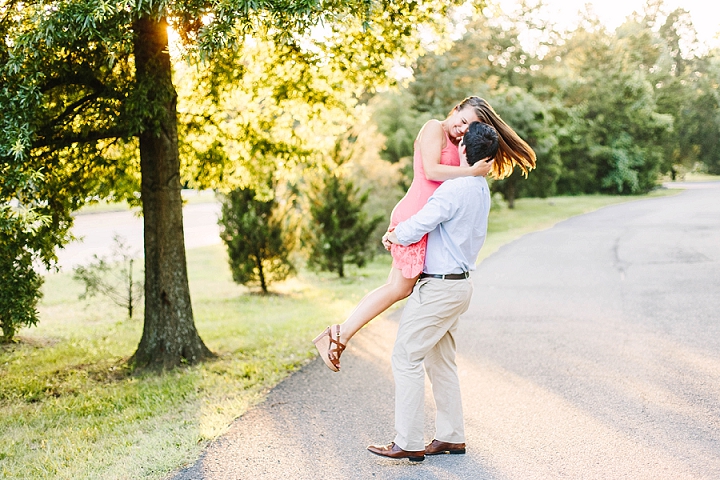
{"x": 511, "y": 197}
{"x": 510, "y": 191}
{"x": 261, "y": 273}
{"x": 169, "y": 336}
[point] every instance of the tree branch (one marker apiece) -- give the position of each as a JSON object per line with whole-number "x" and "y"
{"x": 67, "y": 140}
{"x": 76, "y": 78}
{"x": 9, "y": 9}
{"x": 73, "y": 107}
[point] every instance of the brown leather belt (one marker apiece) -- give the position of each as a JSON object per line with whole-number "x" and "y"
{"x": 447, "y": 276}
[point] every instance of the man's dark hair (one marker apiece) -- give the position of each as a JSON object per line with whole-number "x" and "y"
{"x": 481, "y": 141}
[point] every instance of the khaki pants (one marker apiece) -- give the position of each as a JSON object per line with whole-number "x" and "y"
{"x": 427, "y": 335}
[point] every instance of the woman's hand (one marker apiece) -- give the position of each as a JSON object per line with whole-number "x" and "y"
{"x": 386, "y": 243}
{"x": 388, "y": 239}
{"x": 482, "y": 168}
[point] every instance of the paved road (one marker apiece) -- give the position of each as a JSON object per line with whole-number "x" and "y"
{"x": 95, "y": 232}
{"x": 591, "y": 350}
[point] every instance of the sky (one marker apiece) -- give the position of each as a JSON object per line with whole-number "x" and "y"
{"x": 705, "y": 13}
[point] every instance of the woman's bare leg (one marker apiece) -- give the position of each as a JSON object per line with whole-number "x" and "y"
{"x": 374, "y": 303}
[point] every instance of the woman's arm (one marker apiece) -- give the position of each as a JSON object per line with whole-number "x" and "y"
{"x": 431, "y": 142}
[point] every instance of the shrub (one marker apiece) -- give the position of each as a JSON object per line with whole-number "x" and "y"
{"x": 259, "y": 236}
{"x": 340, "y": 231}
{"x": 19, "y": 283}
{"x": 112, "y": 278}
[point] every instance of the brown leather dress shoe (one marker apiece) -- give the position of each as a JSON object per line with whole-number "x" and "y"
{"x": 393, "y": 451}
{"x": 436, "y": 447}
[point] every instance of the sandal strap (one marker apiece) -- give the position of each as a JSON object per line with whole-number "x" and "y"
{"x": 336, "y": 348}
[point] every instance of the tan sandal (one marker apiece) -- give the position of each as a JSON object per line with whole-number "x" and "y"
{"x": 330, "y": 348}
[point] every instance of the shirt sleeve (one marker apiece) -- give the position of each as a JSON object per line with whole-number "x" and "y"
{"x": 439, "y": 208}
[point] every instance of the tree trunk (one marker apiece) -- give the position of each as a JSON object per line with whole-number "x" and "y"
{"x": 261, "y": 273}
{"x": 510, "y": 192}
{"x": 130, "y": 291}
{"x": 169, "y": 336}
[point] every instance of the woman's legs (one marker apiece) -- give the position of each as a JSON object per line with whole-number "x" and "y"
{"x": 374, "y": 303}
{"x": 331, "y": 343}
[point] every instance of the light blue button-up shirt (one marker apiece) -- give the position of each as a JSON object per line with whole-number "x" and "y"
{"x": 455, "y": 219}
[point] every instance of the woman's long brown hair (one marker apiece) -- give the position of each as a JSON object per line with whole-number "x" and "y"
{"x": 513, "y": 150}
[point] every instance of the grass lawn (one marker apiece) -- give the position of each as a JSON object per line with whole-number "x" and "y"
{"x": 70, "y": 409}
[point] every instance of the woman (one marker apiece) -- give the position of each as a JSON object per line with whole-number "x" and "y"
{"x": 435, "y": 160}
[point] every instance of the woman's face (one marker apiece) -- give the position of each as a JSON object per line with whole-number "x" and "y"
{"x": 459, "y": 122}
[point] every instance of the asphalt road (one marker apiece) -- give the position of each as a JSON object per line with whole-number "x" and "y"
{"x": 591, "y": 350}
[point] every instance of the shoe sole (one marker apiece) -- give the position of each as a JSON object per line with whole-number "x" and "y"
{"x": 327, "y": 361}
{"x": 412, "y": 459}
{"x": 459, "y": 451}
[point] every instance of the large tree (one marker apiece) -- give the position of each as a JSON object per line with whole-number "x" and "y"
{"x": 686, "y": 87}
{"x": 88, "y": 84}
{"x": 611, "y": 127}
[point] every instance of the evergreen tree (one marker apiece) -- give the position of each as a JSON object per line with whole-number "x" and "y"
{"x": 258, "y": 236}
{"x": 340, "y": 231}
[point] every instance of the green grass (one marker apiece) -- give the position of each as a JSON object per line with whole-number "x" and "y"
{"x": 69, "y": 408}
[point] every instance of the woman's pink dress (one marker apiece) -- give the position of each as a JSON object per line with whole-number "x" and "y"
{"x": 410, "y": 259}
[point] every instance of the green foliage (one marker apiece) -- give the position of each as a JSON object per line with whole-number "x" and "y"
{"x": 112, "y": 277}
{"x": 19, "y": 283}
{"x": 370, "y": 173}
{"x": 686, "y": 87}
{"x": 399, "y": 122}
{"x": 260, "y": 236}
{"x": 339, "y": 231}
{"x": 614, "y": 127}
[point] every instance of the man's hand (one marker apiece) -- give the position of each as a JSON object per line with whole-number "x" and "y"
{"x": 482, "y": 168}
{"x": 389, "y": 239}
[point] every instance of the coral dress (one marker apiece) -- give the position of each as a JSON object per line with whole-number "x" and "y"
{"x": 411, "y": 259}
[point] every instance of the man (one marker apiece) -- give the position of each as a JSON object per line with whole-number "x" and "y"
{"x": 455, "y": 219}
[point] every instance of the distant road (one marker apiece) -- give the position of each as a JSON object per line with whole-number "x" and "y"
{"x": 95, "y": 232}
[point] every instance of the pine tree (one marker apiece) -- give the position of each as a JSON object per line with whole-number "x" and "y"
{"x": 340, "y": 232}
{"x": 259, "y": 238}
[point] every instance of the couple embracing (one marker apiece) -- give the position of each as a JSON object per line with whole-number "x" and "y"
{"x": 435, "y": 235}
